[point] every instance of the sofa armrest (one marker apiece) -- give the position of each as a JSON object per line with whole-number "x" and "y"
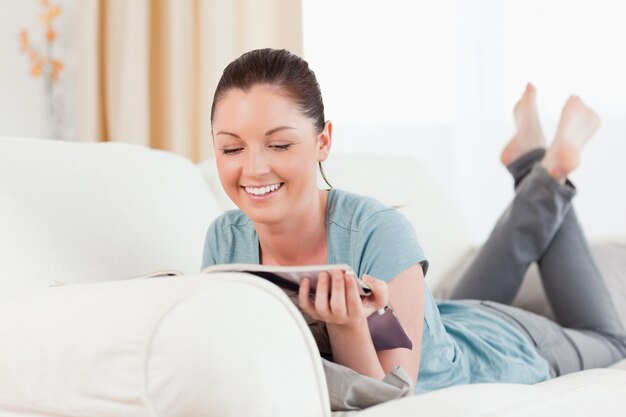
{"x": 220, "y": 344}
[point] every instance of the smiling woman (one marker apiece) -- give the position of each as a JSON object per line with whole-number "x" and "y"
{"x": 270, "y": 134}
{"x": 267, "y": 153}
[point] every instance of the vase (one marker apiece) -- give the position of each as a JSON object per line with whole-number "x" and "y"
{"x": 53, "y": 111}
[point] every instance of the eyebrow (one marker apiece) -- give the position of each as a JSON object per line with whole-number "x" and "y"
{"x": 268, "y": 133}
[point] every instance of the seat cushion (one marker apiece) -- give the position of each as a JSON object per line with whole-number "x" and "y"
{"x": 594, "y": 392}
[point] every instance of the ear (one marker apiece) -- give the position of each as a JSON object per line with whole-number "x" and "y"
{"x": 324, "y": 142}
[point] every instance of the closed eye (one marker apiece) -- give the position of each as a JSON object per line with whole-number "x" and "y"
{"x": 231, "y": 151}
{"x": 281, "y": 147}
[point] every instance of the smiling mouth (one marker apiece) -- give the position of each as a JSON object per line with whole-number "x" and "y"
{"x": 265, "y": 190}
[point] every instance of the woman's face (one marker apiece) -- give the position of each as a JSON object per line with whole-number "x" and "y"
{"x": 267, "y": 153}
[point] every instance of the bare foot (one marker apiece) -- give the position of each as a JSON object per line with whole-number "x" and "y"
{"x": 529, "y": 135}
{"x": 577, "y": 125}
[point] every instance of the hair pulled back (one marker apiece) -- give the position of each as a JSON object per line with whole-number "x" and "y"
{"x": 279, "y": 68}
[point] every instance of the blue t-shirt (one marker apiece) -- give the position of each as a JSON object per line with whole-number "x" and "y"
{"x": 460, "y": 344}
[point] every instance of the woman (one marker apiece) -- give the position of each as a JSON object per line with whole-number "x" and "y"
{"x": 270, "y": 135}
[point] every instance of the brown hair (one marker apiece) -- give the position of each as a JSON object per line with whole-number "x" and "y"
{"x": 282, "y": 69}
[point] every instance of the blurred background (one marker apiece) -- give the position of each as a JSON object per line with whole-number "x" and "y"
{"x": 432, "y": 80}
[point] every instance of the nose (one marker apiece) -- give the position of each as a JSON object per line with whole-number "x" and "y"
{"x": 255, "y": 164}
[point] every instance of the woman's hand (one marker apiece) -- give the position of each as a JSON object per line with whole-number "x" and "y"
{"x": 338, "y": 303}
{"x": 337, "y": 300}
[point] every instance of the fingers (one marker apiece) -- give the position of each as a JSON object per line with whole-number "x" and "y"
{"x": 304, "y": 299}
{"x": 353, "y": 298}
{"x": 380, "y": 294}
{"x": 303, "y": 293}
{"x": 318, "y": 309}
{"x": 322, "y": 295}
{"x": 338, "y": 296}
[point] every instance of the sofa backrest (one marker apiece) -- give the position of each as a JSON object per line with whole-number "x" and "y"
{"x": 85, "y": 212}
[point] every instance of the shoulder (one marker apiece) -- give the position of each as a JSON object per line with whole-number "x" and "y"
{"x": 231, "y": 219}
{"x": 229, "y": 239}
{"x": 371, "y": 236}
{"x": 356, "y": 212}
{"x": 230, "y": 227}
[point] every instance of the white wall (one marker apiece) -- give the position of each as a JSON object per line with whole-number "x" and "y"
{"x": 22, "y": 102}
{"x": 438, "y": 80}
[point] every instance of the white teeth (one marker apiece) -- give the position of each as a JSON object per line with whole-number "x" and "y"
{"x": 262, "y": 190}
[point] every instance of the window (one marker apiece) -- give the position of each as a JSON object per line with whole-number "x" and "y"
{"x": 438, "y": 80}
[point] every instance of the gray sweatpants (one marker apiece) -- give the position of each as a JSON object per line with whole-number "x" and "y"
{"x": 540, "y": 226}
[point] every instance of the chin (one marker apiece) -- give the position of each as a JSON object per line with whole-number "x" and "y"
{"x": 256, "y": 214}
{"x": 262, "y": 218}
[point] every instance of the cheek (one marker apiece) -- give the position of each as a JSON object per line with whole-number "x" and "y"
{"x": 300, "y": 170}
{"x": 227, "y": 171}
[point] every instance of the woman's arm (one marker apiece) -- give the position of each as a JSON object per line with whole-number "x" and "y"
{"x": 406, "y": 292}
{"x": 338, "y": 303}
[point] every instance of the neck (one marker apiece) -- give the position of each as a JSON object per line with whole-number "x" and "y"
{"x": 301, "y": 240}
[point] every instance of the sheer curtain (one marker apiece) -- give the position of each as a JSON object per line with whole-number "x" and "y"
{"x": 438, "y": 80}
{"x": 148, "y": 68}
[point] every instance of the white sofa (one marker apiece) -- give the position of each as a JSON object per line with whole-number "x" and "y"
{"x": 79, "y": 339}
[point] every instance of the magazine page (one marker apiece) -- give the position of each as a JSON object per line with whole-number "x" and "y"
{"x": 156, "y": 274}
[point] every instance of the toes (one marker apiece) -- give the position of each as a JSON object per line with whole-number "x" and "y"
{"x": 530, "y": 91}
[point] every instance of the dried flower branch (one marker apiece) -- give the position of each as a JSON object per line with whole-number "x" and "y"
{"x": 41, "y": 60}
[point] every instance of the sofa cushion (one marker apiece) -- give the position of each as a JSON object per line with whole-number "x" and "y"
{"x": 619, "y": 365}
{"x": 610, "y": 257}
{"x": 85, "y": 212}
{"x": 597, "y": 392}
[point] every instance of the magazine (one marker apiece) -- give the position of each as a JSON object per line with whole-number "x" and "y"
{"x": 288, "y": 277}
{"x": 385, "y": 328}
